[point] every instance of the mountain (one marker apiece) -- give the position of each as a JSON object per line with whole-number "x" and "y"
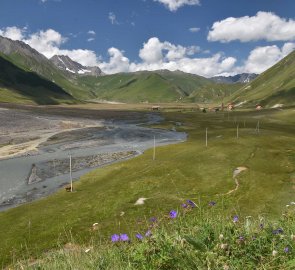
{"x": 239, "y": 78}
{"x": 144, "y": 86}
{"x": 274, "y": 86}
{"x": 20, "y": 86}
{"x": 28, "y": 59}
{"x": 155, "y": 86}
{"x": 65, "y": 63}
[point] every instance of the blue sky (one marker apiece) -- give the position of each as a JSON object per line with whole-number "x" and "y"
{"x": 205, "y": 37}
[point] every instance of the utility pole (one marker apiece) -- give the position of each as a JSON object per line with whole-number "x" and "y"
{"x": 206, "y": 137}
{"x": 71, "y": 173}
{"x": 154, "y": 154}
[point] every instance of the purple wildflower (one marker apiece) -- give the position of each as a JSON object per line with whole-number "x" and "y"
{"x": 115, "y": 238}
{"x": 124, "y": 237}
{"x": 261, "y": 226}
{"x": 153, "y": 219}
{"x": 235, "y": 219}
{"x": 173, "y": 214}
{"x": 184, "y": 205}
{"x": 278, "y": 231}
{"x": 212, "y": 203}
{"x": 148, "y": 233}
{"x": 286, "y": 249}
{"x": 191, "y": 203}
{"x": 139, "y": 236}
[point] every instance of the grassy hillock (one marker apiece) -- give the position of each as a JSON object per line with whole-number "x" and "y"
{"x": 274, "y": 86}
{"x": 188, "y": 170}
{"x": 20, "y": 86}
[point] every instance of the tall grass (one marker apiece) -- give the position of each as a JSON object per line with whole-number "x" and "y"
{"x": 198, "y": 238}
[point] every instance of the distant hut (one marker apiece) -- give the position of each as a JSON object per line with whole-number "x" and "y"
{"x": 155, "y": 108}
{"x": 258, "y": 107}
{"x": 230, "y": 106}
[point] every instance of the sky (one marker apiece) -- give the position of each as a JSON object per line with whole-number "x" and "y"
{"x": 204, "y": 37}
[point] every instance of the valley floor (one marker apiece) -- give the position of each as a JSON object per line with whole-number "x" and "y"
{"x": 187, "y": 170}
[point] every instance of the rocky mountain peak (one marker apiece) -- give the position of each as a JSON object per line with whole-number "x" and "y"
{"x": 65, "y": 63}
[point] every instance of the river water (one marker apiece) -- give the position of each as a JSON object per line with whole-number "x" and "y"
{"x": 116, "y": 136}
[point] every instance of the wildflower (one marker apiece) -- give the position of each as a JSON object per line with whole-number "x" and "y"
{"x": 261, "y": 226}
{"x": 139, "y": 236}
{"x": 184, "y": 205}
{"x": 87, "y": 250}
{"x": 153, "y": 219}
{"x": 124, "y": 237}
{"x": 191, "y": 203}
{"x": 115, "y": 238}
{"x": 286, "y": 249}
{"x": 212, "y": 203}
{"x": 287, "y": 205}
{"x": 173, "y": 214}
{"x": 235, "y": 219}
{"x": 148, "y": 233}
{"x": 278, "y": 231}
{"x": 221, "y": 236}
{"x": 274, "y": 253}
{"x": 293, "y": 237}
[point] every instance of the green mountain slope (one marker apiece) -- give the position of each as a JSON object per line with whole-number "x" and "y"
{"x": 154, "y": 86}
{"x": 274, "y": 86}
{"x": 20, "y": 86}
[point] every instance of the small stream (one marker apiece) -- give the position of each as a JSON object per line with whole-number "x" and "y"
{"x": 118, "y": 140}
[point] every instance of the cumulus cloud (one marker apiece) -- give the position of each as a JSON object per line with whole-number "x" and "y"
{"x": 263, "y": 26}
{"x": 262, "y": 58}
{"x": 91, "y": 32}
{"x": 13, "y": 32}
{"x": 49, "y": 43}
{"x": 117, "y": 62}
{"x": 194, "y": 29}
{"x": 173, "y": 5}
{"x": 155, "y": 51}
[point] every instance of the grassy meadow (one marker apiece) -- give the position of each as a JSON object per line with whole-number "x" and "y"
{"x": 183, "y": 171}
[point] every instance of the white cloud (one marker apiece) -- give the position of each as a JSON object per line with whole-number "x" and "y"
{"x": 194, "y": 29}
{"x": 13, "y": 32}
{"x": 262, "y": 58}
{"x": 155, "y": 51}
{"x": 90, "y": 39}
{"x": 91, "y": 32}
{"x": 173, "y": 5}
{"x": 117, "y": 62}
{"x": 113, "y": 18}
{"x": 49, "y": 43}
{"x": 154, "y": 55}
{"x": 263, "y": 26}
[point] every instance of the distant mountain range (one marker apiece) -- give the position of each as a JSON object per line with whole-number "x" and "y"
{"x": 239, "y": 78}
{"x": 62, "y": 80}
{"x": 65, "y": 63}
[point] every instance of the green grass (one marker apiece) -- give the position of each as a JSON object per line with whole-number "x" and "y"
{"x": 157, "y": 86}
{"x": 274, "y": 86}
{"x": 20, "y": 86}
{"x": 198, "y": 238}
{"x": 187, "y": 170}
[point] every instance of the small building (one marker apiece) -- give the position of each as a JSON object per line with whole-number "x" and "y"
{"x": 155, "y": 108}
{"x": 230, "y": 106}
{"x": 258, "y": 107}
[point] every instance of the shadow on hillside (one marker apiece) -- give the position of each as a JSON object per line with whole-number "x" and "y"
{"x": 30, "y": 85}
